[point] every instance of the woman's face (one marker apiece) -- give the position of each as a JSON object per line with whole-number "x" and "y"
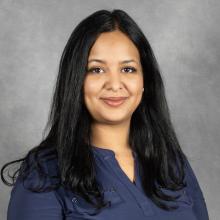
{"x": 113, "y": 74}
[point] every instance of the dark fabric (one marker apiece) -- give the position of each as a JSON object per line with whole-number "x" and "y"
{"x": 128, "y": 201}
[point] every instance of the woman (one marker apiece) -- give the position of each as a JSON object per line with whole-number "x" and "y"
{"x": 111, "y": 151}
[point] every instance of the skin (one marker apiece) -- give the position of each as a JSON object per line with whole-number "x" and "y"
{"x": 110, "y": 126}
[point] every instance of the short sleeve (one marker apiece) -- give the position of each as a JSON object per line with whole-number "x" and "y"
{"x": 27, "y": 205}
{"x": 194, "y": 189}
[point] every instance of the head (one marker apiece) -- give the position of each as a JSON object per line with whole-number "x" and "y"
{"x": 110, "y": 38}
{"x": 114, "y": 70}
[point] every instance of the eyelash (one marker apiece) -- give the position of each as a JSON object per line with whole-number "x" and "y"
{"x": 132, "y": 68}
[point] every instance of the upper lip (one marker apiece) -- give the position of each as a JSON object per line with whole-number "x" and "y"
{"x": 114, "y": 98}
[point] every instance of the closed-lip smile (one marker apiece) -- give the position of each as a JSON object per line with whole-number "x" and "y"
{"x": 114, "y": 98}
{"x": 114, "y": 101}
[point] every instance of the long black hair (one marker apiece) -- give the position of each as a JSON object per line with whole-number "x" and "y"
{"x": 152, "y": 135}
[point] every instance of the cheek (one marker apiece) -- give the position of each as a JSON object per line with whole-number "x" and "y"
{"x": 136, "y": 86}
{"x": 91, "y": 88}
{"x": 136, "y": 92}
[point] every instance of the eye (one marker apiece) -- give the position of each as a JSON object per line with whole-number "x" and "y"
{"x": 94, "y": 69}
{"x": 97, "y": 70}
{"x": 131, "y": 69}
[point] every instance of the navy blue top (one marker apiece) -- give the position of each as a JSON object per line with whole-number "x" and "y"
{"x": 128, "y": 201}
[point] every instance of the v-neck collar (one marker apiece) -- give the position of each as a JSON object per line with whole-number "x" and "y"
{"x": 136, "y": 189}
{"x": 106, "y": 153}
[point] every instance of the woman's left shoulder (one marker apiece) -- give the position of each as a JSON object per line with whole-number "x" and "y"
{"x": 193, "y": 186}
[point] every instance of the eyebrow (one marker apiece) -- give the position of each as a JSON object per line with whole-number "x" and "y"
{"x": 102, "y": 61}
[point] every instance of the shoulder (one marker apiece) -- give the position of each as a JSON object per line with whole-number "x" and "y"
{"x": 192, "y": 181}
{"x": 26, "y": 203}
{"x": 195, "y": 192}
{"x": 38, "y": 168}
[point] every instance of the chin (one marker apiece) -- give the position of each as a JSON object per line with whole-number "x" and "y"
{"x": 113, "y": 122}
{"x": 115, "y": 118}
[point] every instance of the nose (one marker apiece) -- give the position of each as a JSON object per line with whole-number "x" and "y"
{"x": 114, "y": 81}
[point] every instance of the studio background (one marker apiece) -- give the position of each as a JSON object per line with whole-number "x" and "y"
{"x": 185, "y": 37}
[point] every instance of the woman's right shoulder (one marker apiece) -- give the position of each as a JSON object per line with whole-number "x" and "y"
{"x": 32, "y": 197}
{"x": 37, "y": 168}
{"x": 25, "y": 204}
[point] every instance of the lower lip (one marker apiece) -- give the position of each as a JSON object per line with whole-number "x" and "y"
{"x": 114, "y": 103}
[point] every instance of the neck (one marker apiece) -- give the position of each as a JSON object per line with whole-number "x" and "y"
{"x": 113, "y": 137}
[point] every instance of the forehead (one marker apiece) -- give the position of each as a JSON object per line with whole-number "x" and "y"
{"x": 114, "y": 45}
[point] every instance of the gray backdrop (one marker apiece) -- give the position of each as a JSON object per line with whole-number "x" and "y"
{"x": 186, "y": 41}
